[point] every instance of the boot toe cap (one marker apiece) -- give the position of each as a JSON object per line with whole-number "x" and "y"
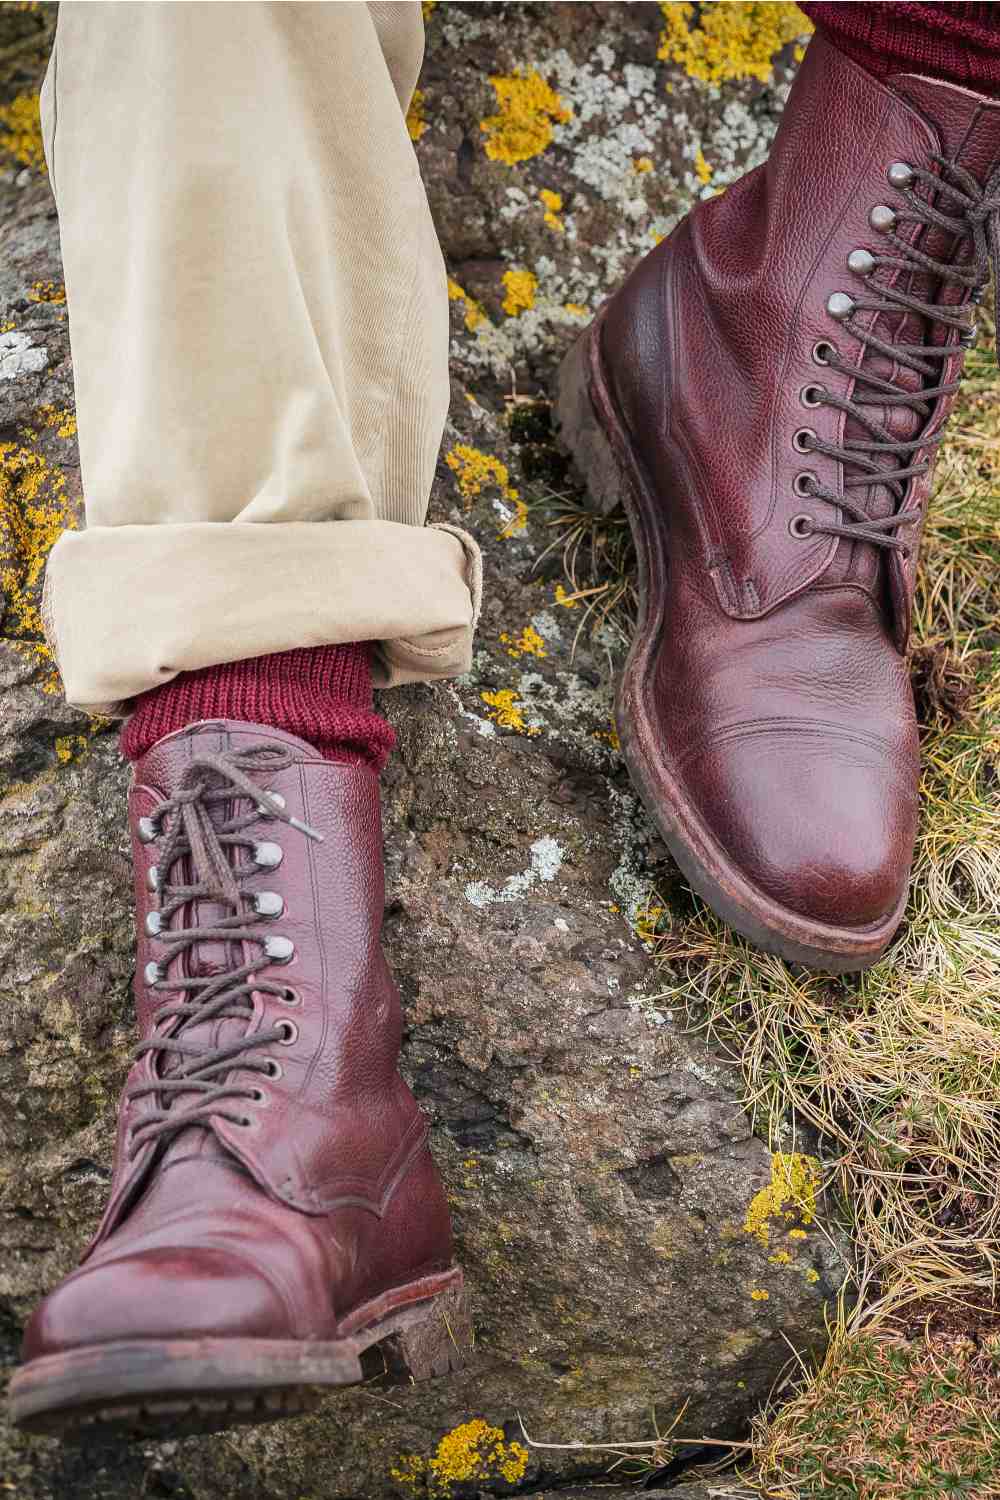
{"x": 154, "y": 1294}
{"x": 823, "y": 825}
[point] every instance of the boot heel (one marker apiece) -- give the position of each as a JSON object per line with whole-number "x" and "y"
{"x": 578, "y": 430}
{"x": 431, "y": 1339}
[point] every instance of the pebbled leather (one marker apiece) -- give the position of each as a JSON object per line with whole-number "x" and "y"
{"x": 775, "y": 684}
{"x": 330, "y": 1196}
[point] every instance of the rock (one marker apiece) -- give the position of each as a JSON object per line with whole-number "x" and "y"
{"x": 601, "y": 1168}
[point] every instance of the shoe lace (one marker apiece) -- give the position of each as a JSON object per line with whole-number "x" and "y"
{"x": 194, "y": 828}
{"x": 963, "y": 209}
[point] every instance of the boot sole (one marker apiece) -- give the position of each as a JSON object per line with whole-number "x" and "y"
{"x": 592, "y": 432}
{"x": 145, "y": 1387}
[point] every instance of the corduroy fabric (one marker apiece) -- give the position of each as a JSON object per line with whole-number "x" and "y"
{"x": 323, "y": 694}
{"x": 960, "y": 43}
{"x": 258, "y": 311}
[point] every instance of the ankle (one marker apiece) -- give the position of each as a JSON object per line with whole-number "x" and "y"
{"x": 323, "y": 694}
{"x": 953, "y": 42}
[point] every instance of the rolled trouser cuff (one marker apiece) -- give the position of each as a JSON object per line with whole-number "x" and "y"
{"x": 128, "y": 607}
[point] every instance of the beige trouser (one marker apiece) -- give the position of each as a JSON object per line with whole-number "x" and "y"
{"x": 259, "y": 326}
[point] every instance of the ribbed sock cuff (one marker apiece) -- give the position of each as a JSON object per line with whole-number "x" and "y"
{"x": 323, "y": 694}
{"x": 959, "y": 43}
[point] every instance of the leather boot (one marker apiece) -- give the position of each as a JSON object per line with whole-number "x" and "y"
{"x": 765, "y": 393}
{"x": 274, "y": 1211}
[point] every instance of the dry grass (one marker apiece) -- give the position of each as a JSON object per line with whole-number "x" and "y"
{"x": 899, "y": 1068}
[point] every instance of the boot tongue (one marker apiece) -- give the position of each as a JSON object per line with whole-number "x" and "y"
{"x": 206, "y": 960}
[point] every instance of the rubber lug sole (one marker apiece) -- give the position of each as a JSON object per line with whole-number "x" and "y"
{"x": 143, "y": 1388}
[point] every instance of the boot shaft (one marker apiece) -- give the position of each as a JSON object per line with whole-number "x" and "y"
{"x": 720, "y": 343}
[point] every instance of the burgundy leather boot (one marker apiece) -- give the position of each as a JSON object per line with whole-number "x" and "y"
{"x": 765, "y": 393}
{"x": 274, "y": 1209}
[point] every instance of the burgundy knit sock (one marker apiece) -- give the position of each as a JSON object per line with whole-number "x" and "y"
{"x": 323, "y": 694}
{"x": 960, "y": 43}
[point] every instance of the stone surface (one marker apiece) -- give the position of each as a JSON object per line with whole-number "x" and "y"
{"x": 599, "y": 1163}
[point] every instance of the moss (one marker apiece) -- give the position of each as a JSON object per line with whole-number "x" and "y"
{"x": 527, "y": 111}
{"x": 790, "y": 1196}
{"x": 21, "y": 133}
{"x": 726, "y": 40}
{"x": 520, "y": 288}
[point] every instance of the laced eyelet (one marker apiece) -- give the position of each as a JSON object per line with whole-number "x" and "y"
{"x": 812, "y": 395}
{"x": 900, "y": 174}
{"x": 154, "y": 923}
{"x": 153, "y": 878}
{"x": 258, "y": 1096}
{"x": 274, "y": 1068}
{"x": 801, "y": 526}
{"x": 148, "y": 830}
{"x": 839, "y": 305}
{"x": 280, "y": 950}
{"x": 267, "y": 856}
{"x": 152, "y": 974}
{"x": 822, "y": 353}
{"x": 799, "y": 440}
{"x": 289, "y": 1033}
{"x": 882, "y": 218}
{"x": 268, "y": 904}
{"x": 861, "y": 262}
{"x": 802, "y": 484}
{"x": 289, "y": 996}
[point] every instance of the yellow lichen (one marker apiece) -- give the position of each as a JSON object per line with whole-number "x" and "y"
{"x": 797, "y": 1234}
{"x": 575, "y": 309}
{"x": 727, "y": 40}
{"x": 506, "y": 712}
{"x": 474, "y": 469}
{"x": 642, "y": 164}
{"x": 473, "y": 1452}
{"x": 527, "y": 111}
{"x": 427, "y": 6}
{"x": 68, "y": 746}
{"x": 48, "y": 291}
{"x": 609, "y": 736}
{"x": 790, "y": 1195}
{"x": 702, "y": 170}
{"x": 646, "y": 922}
{"x": 474, "y": 312}
{"x": 812, "y": 1275}
{"x": 520, "y": 288}
{"x": 759, "y": 1295}
{"x": 62, "y": 418}
{"x": 568, "y": 601}
{"x": 780, "y": 1258}
{"x": 415, "y": 122}
{"x": 553, "y": 204}
{"x": 34, "y": 512}
{"x": 21, "y": 133}
{"x": 528, "y": 643}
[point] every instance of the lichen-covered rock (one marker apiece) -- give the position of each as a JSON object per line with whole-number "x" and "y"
{"x": 632, "y": 1247}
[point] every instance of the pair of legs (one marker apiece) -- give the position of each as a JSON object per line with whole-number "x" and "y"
{"x": 265, "y": 313}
